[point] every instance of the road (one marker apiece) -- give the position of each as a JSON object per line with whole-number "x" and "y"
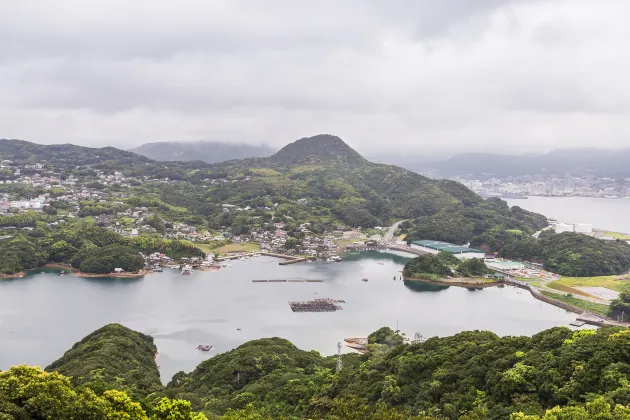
{"x": 389, "y": 236}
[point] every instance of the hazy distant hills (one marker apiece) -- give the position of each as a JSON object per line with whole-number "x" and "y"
{"x": 20, "y": 151}
{"x": 206, "y": 151}
{"x": 593, "y": 162}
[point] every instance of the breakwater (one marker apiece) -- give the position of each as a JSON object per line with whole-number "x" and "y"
{"x": 584, "y": 315}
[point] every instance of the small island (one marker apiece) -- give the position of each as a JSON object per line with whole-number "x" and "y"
{"x": 446, "y": 269}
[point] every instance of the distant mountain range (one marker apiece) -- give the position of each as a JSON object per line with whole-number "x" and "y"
{"x": 577, "y": 162}
{"x": 205, "y": 151}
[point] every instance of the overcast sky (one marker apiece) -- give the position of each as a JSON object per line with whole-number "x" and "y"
{"x": 438, "y": 75}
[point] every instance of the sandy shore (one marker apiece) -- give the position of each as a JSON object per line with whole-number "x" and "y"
{"x": 459, "y": 281}
{"x": 12, "y": 276}
{"x": 140, "y": 273}
{"x": 78, "y": 273}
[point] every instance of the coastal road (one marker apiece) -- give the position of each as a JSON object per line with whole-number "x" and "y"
{"x": 389, "y": 236}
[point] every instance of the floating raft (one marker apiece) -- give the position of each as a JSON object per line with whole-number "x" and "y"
{"x": 204, "y": 347}
{"x": 316, "y": 305}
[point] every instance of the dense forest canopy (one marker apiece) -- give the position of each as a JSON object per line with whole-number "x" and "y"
{"x": 555, "y": 374}
{"x": 112, "y": 357}
{"x": 443, "y": 264}
{"x": 84, "y": 245}
{"x": 318, "y": 179}
{"x": 461, "y": 225}
{"x": 571, "y": 254}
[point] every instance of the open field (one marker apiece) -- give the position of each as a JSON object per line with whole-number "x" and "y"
{"x": 618, "y": 283}
{"x": 617, "y": 235}
{"x": 597, "y": 308}
{"x": 532, "y": 282}
{"x": 246, "y": 247}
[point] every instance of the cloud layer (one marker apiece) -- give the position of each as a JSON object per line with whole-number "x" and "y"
{"x": 419, "y": 76}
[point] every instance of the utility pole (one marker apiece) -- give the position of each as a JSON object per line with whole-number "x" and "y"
{"x": 339, "y": 365}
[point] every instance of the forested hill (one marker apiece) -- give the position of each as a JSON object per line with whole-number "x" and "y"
{"x": 323, "y": 149}
{"x": 205, "y": 151}
{"x": 555, "y": 374}
{"x": 113, "y": 357}
{"x": 66, "y": 155}
{"x": 320, "y": 180}
{"x": 329, "y": 174}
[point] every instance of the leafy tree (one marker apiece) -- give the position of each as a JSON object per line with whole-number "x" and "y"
{"x": 620, "y": 307}
{"x": 426, "y": 264}
{"x": 385, "y": 335}
{"x": 106, "y": 259}
{"x": 474, "y": 267}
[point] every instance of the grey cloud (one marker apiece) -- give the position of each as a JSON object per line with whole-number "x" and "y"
{"x": 421, "y": 75}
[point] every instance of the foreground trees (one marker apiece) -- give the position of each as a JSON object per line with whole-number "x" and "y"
{"x": 554, "y": 375}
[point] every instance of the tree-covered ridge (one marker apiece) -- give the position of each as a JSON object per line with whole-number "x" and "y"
{"x": 462, "y": 224}
{"x": 570, "y": 254}
{"x": 556, "y": 374}
{"x": 444, "y": 264}
{"x": 320, "y": 180}
{"x": 84, "y": 245}
{"x": 112, "y": 357}
{"x": 62, "y": 155}
{"x": 28, "y": 393}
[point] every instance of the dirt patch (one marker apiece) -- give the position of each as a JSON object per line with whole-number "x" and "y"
{"x": 563, "y": 288}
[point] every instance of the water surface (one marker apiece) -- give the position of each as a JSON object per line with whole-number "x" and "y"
{"x": 602, "y": 213}
{"x": 50, "y": 313}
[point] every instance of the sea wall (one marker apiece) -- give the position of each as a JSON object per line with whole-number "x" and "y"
{"x": 537, "y": 295}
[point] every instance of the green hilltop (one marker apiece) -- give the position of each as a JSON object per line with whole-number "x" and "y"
{"x": 556, "y": 374}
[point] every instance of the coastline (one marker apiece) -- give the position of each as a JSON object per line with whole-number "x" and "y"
{"x": 17, "y": 275}
{"x": 139, "y": 274}
{"x": 459, "y": 282}
{"x": 78, "y": 273}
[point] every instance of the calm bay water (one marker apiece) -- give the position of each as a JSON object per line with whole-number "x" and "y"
{"x": 602, "y": 213}
{"x": 50, "y": 313}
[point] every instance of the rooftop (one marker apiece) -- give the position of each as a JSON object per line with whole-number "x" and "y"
{"x": 445, "y": 246}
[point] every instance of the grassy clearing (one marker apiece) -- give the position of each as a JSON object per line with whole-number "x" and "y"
{"x": 225, "y": 249}
{"x": 617, "y": 235}
{"x": 535, "y": 283}
{"x": 618, "y": 283}
{"x": 597, "y": 308}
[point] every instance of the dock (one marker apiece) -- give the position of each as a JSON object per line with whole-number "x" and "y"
{"x": 577, "y": 323}
{"x": 237, "y": 256}
{"x": 316, "y": 305}
{"x": 288, "y": 281}
{"x": 297, "y": 260}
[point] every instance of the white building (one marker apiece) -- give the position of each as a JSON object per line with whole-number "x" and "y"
{"x": 564, "y": 227}
{"x": 583, "y": 228}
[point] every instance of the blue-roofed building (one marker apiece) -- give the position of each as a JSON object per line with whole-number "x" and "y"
{"x": 435, "y": 247}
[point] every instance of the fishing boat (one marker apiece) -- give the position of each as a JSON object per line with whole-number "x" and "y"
{"x": 157, "y": 269}
{"x": 364, "y": 279}
{"x": 61, "y": 273}
{"x": 186, "y": 270}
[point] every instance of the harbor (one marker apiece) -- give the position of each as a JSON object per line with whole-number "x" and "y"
{"x": 209, "y": 307}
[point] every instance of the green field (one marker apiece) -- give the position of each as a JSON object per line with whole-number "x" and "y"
{"x": 617, "y": 235}
{"x": 225, "y": 249}
{"x": 584, "y": 304}
{"x": 618, "y": 283}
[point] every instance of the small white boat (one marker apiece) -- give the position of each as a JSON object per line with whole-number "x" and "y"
{"x": 186, "y": 270}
